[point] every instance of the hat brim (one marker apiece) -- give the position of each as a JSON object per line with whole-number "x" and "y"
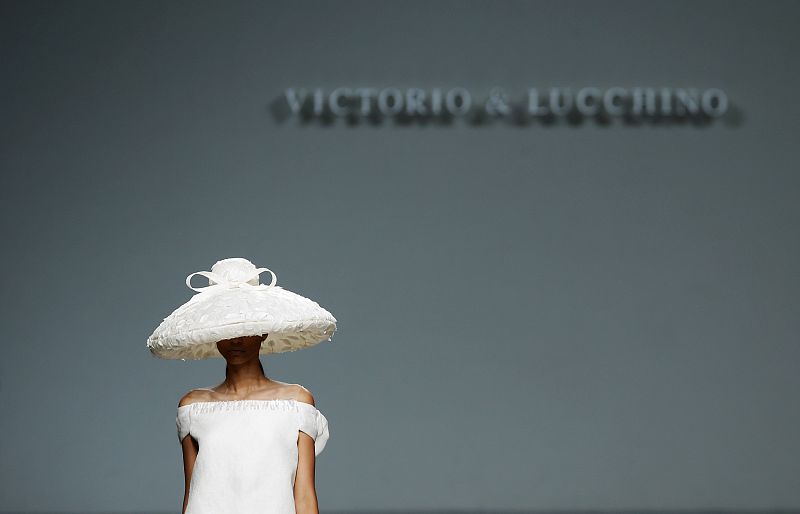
{"x": 193, "y": 330}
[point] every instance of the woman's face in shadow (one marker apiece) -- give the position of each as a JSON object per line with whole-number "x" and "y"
{"x": 238, "y": 350}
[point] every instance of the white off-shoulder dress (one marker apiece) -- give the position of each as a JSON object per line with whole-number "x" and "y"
{"x": 247, "y": 458}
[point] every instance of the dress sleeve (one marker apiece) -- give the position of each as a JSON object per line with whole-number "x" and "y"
{"x": 182, "y": 423}
{"x": 313, "y": 423}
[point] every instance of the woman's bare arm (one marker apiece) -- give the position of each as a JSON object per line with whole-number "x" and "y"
{"x": 305, "y": 494}
{"x": 190, "y": 448}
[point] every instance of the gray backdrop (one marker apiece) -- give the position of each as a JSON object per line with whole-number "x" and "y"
{"x": 557, "y": 317}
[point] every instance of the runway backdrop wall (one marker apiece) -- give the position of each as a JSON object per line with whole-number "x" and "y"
{"x": 536, "y": 317}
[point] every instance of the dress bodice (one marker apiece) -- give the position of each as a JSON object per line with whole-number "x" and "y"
{"x": 247, "y": 457}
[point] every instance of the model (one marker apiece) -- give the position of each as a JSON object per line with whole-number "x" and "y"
{"x": 250, "y": 443}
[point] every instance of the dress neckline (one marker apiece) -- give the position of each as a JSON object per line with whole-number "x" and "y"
{"x": 246, "y": 401}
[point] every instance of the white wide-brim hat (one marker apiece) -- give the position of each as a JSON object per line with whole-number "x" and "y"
{"x": 236, "y": 304}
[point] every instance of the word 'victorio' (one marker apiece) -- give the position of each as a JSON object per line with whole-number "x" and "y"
{"x": 533, "y": 102}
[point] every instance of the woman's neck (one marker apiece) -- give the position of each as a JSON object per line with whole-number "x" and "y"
{"x": 241, "y": 379}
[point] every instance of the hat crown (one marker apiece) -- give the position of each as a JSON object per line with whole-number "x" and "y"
{"x": 235, "y": 269}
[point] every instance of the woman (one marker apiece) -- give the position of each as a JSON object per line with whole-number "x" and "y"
{"x": 250, "y": 443}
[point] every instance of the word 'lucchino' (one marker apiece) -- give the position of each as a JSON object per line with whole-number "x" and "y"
{"x": 555, "y": 101}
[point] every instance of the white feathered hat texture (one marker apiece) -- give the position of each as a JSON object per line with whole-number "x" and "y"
{"x": 236, "y": 304}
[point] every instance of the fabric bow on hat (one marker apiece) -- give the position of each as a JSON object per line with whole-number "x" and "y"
{"x": 218, "y": 281}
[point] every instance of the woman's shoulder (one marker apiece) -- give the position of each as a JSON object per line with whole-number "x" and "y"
{"x": 301, "y": 394}
{"x": 195, "y": 395}
{"x": 290, "y": 391}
